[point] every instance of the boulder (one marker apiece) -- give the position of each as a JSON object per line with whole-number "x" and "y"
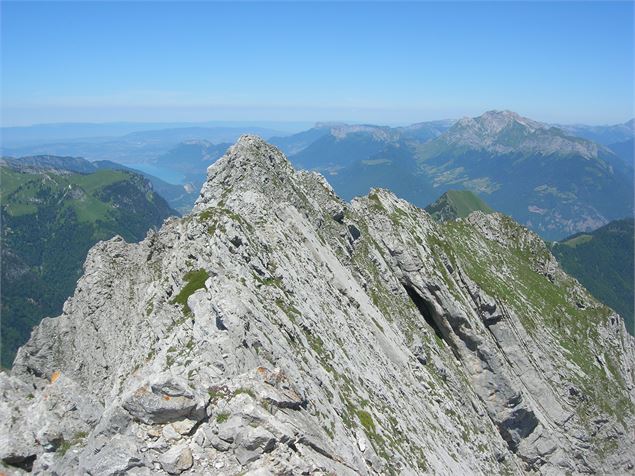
{"x": 176, "y": 459}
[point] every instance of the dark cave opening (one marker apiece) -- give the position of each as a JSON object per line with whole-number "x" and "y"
{"x": 425, "y": 309}
{"x": 25, "y": 463}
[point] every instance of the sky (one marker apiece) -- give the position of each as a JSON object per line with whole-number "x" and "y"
{"x": 388, "y": 63}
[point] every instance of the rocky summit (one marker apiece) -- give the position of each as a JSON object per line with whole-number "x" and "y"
{"x": 280, "y": 330}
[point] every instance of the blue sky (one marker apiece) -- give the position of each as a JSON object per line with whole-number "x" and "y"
{"x": 369, "y": 62}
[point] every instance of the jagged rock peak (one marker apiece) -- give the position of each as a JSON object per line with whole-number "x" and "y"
{"x": 251, "y": 163}
{"x": 252, "y": 150}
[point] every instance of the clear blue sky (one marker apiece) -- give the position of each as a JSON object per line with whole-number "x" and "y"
{"x": 359, "y": 61}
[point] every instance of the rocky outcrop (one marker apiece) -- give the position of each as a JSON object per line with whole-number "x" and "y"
{"x": 279, "y": 330}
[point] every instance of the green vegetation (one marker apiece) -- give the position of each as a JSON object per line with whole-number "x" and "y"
{"x": 213, "y": 216}
{"x": 603, "y": 262}
{"x": 222, "y": 417}
{"x": 216, "y": 393}
{"x": 577, "y": 240}
{"x": 543, "y": 306}
{"x": 194, "y": 280}
{"x": 66, "y": 445}
{"x": 63, "y": 448}
{"x": 291, "y": 312}
{"x": 366, "y": 420}
{"x": 268, "y": 281}
{"x": 246, "y": 391}
{"x": 455, "y": 204}
{"x": 376, "y": 202}
{"x": 49, "y": 222}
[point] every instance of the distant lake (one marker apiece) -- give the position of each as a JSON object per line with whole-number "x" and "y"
{"x": 167, "y": 175}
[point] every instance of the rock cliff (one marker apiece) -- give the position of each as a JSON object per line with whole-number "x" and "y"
{"x": 278, "y": 329}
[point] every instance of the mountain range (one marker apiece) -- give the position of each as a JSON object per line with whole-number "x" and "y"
{"x": 625, "y": 150}
{"x": 553, "y": 183}
{"x": 605, "y": 135}
{"x": 544, "y": 176}
{"x": 132, "y": 148}
{"x": 277, "y": 329}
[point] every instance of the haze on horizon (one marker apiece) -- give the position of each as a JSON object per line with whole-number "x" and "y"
{"x": 389, "y": 63}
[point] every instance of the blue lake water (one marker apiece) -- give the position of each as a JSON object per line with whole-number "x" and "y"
{"x": 167, "y": 175}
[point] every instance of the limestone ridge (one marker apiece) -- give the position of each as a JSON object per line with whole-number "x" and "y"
{"x": 278, "y": 329}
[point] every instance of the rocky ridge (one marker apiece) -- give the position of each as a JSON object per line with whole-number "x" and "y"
{"x": 278, "y": 329}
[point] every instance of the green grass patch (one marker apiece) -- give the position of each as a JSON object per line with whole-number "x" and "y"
{"x": 375, "y": 202}
{"x": 194, "y": 280}
{"x": 268, "y": 281}
{"x": 578, "y": 240}
{"x": 222, "y": 417}
{"x": 246, "y": 391}
{"x": 291, "y": 312}
{"x": 366, "y": 420}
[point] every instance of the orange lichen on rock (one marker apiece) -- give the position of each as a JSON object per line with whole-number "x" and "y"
{"x": 55, "y": 376}
{"x": 141, "y": 391}
{"x": 166, "y": 397}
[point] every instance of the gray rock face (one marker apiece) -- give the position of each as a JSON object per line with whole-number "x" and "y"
{"x": 176, "y": 460}
{"x": 485, "y": 132}
{"x": 166, "y": 399}
{"x": 279, "y": 330}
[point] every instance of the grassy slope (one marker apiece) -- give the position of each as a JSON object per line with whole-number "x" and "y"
{"x": 603, "y": 262}
{"x": 548, "y": 309}
{"x": 457, "y": 204}
{"x": 543, "y": 306}
{"x": 50, "y": 221}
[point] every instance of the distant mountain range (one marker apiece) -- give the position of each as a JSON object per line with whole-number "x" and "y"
{"x": 554, "y": 183}
{"x": 602, "y": 134}
{"x": 51, "y": 216}
{"x": 21, "y": 136}
{"x": 625, "y": 150}
{"x": 333, "y": 146}
{"x": 140, "y": 147}
{"x": 190, "y": 159}
{"x": 546, "y": 178}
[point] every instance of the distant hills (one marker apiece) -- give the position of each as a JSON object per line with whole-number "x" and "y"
{"x": 606, "y": 135}
{"x": 179, "y": 197}
{"x": 455, "y": 204}
{"x": 190, "y": 159}
{"x": 51, "y": 216}
{"x": 139, "y": 147}
{"x": 19, "y": 136}
{"x": 544, "y": 176}
{"x": 625, "y": 150}
{"x": 550, "y": 181}
{"x": 331, "y": 147}
{"x": 602, "y": 260}
{"x": 553, "y": 183}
